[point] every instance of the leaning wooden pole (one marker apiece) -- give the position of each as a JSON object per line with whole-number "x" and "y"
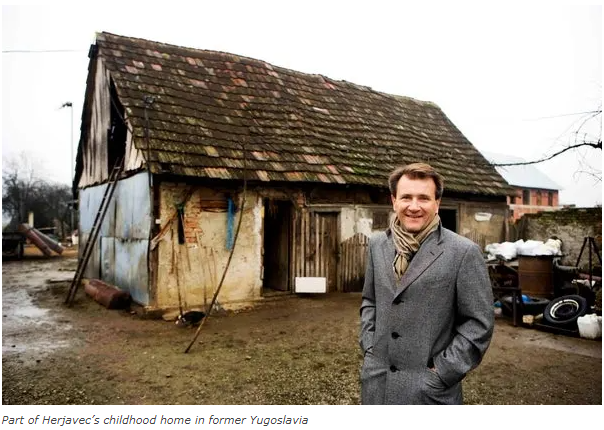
{"x": 209, "y": 311}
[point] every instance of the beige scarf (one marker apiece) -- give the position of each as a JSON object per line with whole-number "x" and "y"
{"x": 407, "y": 244}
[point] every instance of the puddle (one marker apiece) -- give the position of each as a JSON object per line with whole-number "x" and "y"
{"x": 27, "y": 327}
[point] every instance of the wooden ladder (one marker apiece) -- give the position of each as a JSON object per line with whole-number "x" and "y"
{"x": 117, "y": 170}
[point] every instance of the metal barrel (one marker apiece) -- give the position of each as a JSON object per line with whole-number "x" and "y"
{"x": 107, "y": 295}
{"x": 536, "y": 275}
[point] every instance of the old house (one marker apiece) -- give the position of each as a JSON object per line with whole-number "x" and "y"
{"x": 534, "y": 191}
{"x": 196, "y": 128}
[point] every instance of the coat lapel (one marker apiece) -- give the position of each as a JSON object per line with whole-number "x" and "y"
{"x": 428, "y": 252}
{"x": 389, "y": 252}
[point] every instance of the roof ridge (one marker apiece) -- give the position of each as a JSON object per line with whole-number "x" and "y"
{"x": 297, "y": 72}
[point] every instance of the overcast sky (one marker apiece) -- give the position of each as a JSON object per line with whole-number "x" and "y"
{"x": 513, "y": 79}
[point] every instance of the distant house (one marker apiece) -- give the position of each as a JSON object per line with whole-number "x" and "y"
{"x": 534, "y": 191}
{"x": 191, "y": 124}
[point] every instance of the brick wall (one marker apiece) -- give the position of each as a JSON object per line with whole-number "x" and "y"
{"x": 569, "y": 225}
{"x": 202, "y": 200}
{"x": 538, "y": 201}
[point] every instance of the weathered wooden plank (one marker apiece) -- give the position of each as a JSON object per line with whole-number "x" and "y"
{"x": 292, "y": 249}
{"x": 305, "y": 272}
{"x": 353, "y": 262}
{"x": 321, "y": 260}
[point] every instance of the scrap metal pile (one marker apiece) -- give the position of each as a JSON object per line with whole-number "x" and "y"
{"x": 530, "y": 284}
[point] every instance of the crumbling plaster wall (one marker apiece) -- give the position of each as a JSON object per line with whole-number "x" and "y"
{"x": 484, "y": 222}
{"x": 195, "y": 267}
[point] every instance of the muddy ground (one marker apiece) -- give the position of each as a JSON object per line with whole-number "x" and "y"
{"x": 297, "y": 350}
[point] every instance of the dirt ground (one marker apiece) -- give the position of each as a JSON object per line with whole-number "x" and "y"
{"x": 294, "y": 350}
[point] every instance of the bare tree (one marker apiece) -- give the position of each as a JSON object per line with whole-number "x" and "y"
{"x": 18, "y": 183}
{"x": 23, "y": 191}
{"x": 581, "y": 138}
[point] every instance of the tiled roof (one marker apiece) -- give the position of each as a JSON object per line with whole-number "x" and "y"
{"x": 209, "y": 108}
{"x": 526, "y": 176}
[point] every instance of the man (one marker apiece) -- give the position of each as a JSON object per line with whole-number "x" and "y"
{"x": 427, "y": 306}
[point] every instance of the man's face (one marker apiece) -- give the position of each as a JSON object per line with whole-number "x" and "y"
{"x": 415, "y": 203}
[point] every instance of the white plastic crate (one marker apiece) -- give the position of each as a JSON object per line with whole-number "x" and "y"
{"x": 310, "y": 284}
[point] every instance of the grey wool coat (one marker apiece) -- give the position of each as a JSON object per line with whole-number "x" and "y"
{"x": 439, "y": 314}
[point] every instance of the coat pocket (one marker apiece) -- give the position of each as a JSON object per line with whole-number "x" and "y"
{"x": 373, "y": 380}
{"x": 432, "y": 380}
{"x": 436, "y": 391}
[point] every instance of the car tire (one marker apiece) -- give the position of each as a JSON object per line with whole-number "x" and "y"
{"x": 565, "y": 310}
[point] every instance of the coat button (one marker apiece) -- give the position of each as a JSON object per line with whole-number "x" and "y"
{"x": 395, "y": 335}
{"x": 393, "y": 368}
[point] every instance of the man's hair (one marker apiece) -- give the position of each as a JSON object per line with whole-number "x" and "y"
{"x": 416, "y": 171}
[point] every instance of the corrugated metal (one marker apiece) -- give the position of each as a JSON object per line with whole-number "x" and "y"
{"x": 131, "y": 272}
{"x": 108, "y": 259}
{"x": 93, "y": 268}
{"x": 133, "y": 214}
{"x": 120, "y": 254}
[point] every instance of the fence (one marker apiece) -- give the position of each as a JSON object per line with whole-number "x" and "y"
{"x": 352, "y": 263}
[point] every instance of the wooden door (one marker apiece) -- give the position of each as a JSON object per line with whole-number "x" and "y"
{"x": 325, "y": 230}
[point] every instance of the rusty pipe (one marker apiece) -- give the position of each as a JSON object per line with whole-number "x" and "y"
{"x": 30, "y": 233}
{"x": 52, "y": 244}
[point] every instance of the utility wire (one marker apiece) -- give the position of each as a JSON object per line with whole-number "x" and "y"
{"x": 565, "y": 114}
{"x": 39, "y": 51}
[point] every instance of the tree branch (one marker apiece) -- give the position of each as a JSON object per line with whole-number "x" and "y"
{"x": 596, "y": 145}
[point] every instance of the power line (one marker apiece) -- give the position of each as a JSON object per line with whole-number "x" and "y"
{"x": 39, "y": 51}
{"x": 566, "y": 114}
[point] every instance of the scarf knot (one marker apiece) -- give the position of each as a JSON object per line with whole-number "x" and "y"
{"x": 407, "y": 244}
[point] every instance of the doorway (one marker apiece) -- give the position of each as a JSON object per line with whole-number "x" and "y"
{"x": 276, "y": 250}
{"x": 448, "y": 218}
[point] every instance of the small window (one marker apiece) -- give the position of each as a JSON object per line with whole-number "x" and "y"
{"x": 380, "y": 220}
{"x": 526, "y": 197}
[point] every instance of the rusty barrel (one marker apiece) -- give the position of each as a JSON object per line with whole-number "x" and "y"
{"x": 107, "y": 295}
{"x": 536, "y": 275}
